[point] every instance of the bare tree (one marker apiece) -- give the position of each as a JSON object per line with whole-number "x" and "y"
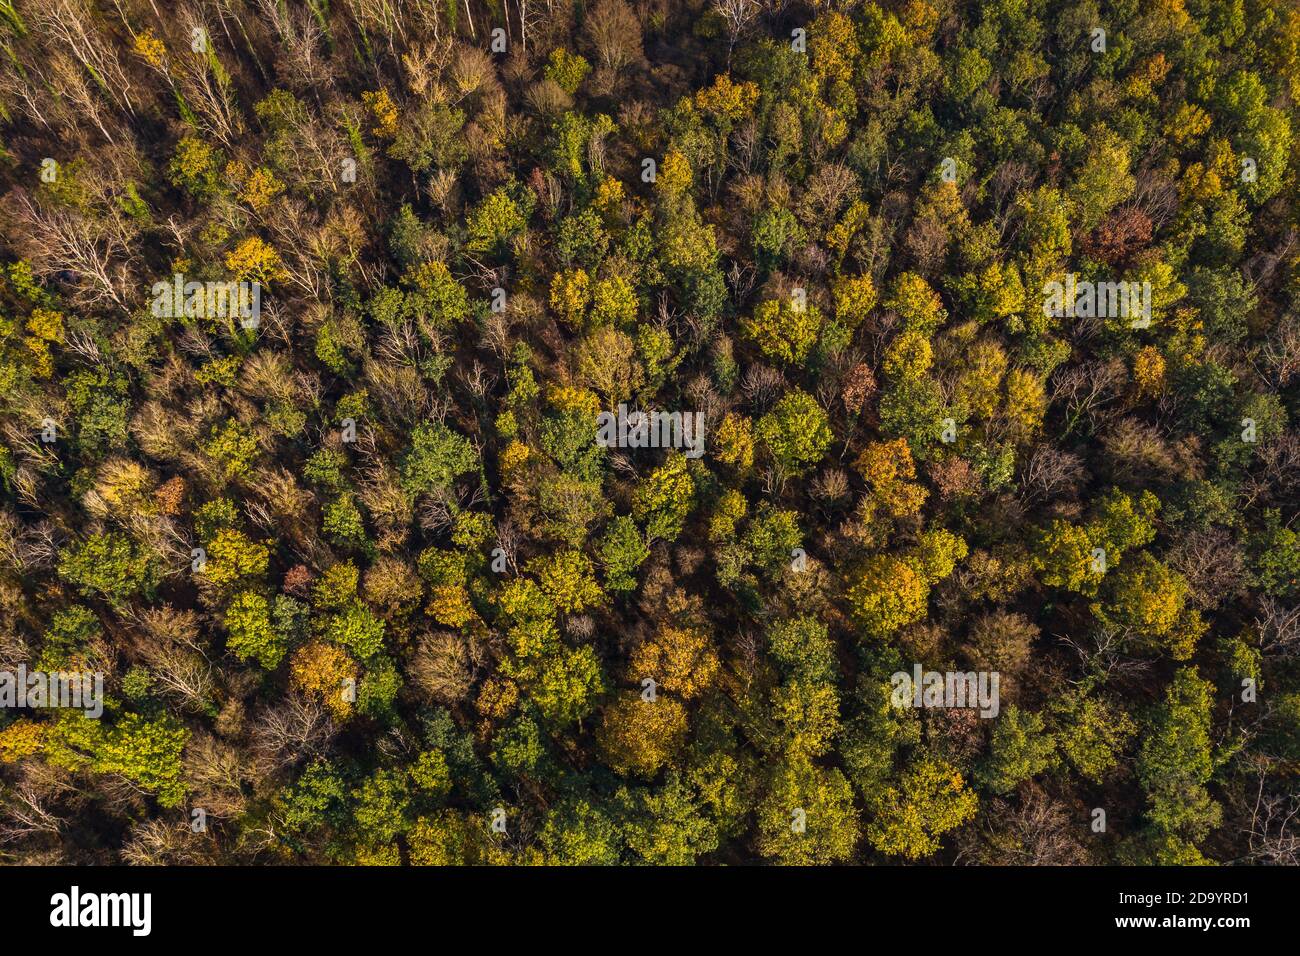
{"x": 1278, "y": 627}
{"x": 739, "y": 16}
{"x": 1272, "y": 826}
{"x": 615, "y": 33}
{"x": 1050, "y": 474}
{"x": 64, "y": 245}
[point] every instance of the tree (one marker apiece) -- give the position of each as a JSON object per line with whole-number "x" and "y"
{"x": 621, "y": 551}
{"x": 145, "y": 750}
{"x": 638, "y": 736}
{"x": 931, "y": 799}
{"x": 795, "y": 432}
{"x": 438, "y": 456}
{"x": 110, "y": 566}
{"x": 666, "y": 827}
{"x": 734, "y": 440}
{"x": 568, "y": 580}
{"x": 807, "y": 714}
{"x": 886, "y": 595}
{"x": 664, "y": 499}
{"x": 233, "y": 558}
{"x": 1020, "y": 750}
{"x": 326, "y": 672}
{"x": 681, "y": 661}
{"x": 803, "y": 648}
{"x": 1092, "y": 733}
{"x": 579, "y": 833}
{"x": 1176, "y": 760}
{"x": 494, "y": 222}
{"x": 1151, "y": 599}
{"x": 615, "y": 34}
{"x": 807, "y": 816}
{"x": 783, "y": 331}
{"x": 252, "y": 636}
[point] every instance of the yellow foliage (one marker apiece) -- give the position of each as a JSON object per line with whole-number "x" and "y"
{"x": 513, "y": 457}
{"x": 497, "y": 698}
{"x": 841, "y": 234}
{"x": 674, "y": 177}
{"x": 609, "y": 199}
{"x": 1026, "y": 403}
{"x": 639, "y": 736}
{"x": 570, "y": 398}
{"x": 383, "y": 113}
{"x": 46, "y": 325}
{"x": 881, "y": 463}
{"x": 886, "y": 466}
{"x": 833, "y": 47}
{"x": 1189, "y": 122}
{"x": 255, "y": 260}
{"x": 855, "y": 296}
{"x": 680, "y": 660}
{"x": 149, "y": 48}
{"x": 725, "y": 99}
{"x": 20, "y": 739}
{"x": 1149, "y": 372}
{"x": 731, "y": 507}
{"x": 984, "y": 365}
{"x": 570, "y": 295}
{"x": 122, "y": 487}
{"x": 908, "y": 357}
{"x": 323, "y": 671}
{"x": 449, "y": 604}
{"x": 735, "y": 440}
{"x": 1147, "y": 77}
{"x": 260, "y": 188}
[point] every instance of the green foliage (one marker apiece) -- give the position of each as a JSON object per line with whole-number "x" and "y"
{"x": 795, "y": 432}
{"x": 252, "y": 636}
{"x": 1020, "y": 751}
{"x": 784, "y": 331}
{"x": 664, "y": 499}
{"x": 437, "y": 457}
{"x": 352, "y": 645}
{"x": 622, "y": 550}
{"x": 807, "y": 816}
{"x": 109, "y": 566}
{"x": 931, "y": 799}
{"x": 1177, "y": 759}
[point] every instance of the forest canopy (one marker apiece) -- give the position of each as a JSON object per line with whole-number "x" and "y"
{"x": 684, "y": 431}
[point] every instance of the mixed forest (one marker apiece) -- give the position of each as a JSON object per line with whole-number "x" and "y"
{"x": 364, "y": 588}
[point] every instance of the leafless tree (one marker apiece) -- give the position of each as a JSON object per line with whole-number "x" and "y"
{"x": 1212, "y": 564}
{"x": 1049, "y": 474}
{"x": 1034, "y": 830}
{"x": 72, "y": 25}
{"x": 289, "y": 733}
{"x": 1086, "y": 389}
{"x": 615, "y": 33}
{"x": 739, "y": 16}
{"x": 1280, "y": 353}
{"x": 1272, "y": 823}
{"x": 1278, "y": 627}
{"x": 209, "y": 91}
{"x": 61, "y": 244}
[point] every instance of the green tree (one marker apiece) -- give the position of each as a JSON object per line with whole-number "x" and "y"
{"x": 1177, "y": 759}
{"x": 931, "y": 799}
{"x": 252, "y": 636}
{"x": 795, "y": 432}
{"x": 438, "y": 456}
{"x": 807, "y": 816}
{"x": 1020, "y": 750}
{"x": 110, "y": 566}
